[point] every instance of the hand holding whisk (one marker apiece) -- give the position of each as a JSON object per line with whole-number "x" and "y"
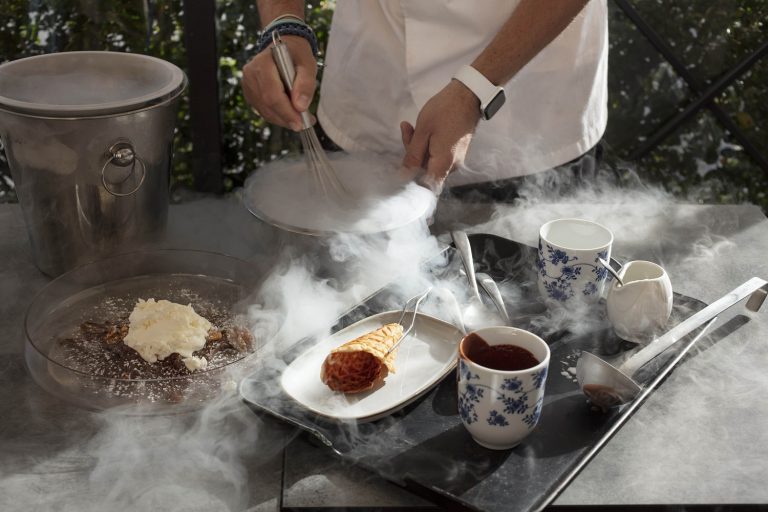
{"x": 323, "y": 172}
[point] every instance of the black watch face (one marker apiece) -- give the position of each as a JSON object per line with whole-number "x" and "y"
{"x": 494, "y": 105}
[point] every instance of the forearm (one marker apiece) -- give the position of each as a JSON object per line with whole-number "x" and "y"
{"x": 533, "y": 25}
{"x": 271, "y": 9}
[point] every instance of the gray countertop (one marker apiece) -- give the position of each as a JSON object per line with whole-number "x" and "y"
{"x": 701, "y": 438}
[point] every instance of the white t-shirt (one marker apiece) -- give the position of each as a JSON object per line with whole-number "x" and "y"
{"x": 386, "y": 58}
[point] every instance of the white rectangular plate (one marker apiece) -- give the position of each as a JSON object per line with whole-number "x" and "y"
{"x": 427, "y": 355}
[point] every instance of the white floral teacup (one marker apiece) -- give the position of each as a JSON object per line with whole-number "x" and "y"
{"x": 567, "y": 260}
{"x": 640, "y": 309}
{"x": 500, "y": 408}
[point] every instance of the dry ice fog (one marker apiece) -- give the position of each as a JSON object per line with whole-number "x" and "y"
{"x": 222, "y": 457}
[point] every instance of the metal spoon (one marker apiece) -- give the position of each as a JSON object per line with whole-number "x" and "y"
{"x": 475, "y": 314}
{"x": 607, "y": 386}
{"x": 492, "y": 289}
{"x": 461, "y": 241}
{"x": 610, "y": 270}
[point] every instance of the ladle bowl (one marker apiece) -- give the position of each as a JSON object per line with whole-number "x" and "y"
{"x": 604, "y": 384}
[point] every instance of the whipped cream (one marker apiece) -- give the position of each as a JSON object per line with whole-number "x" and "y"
{"x": 160, "y": 328}
{"x": 195, "y": 363}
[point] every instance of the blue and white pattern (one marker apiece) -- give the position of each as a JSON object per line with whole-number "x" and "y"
{"x": 532, "y": 418}
{"x": 511, "y": 396}
{"x": 465, "y": 373}
{"x": 556, "y": 256}
{"x": 471, "y": 395}
{"x": 562, "y": 273}
{"x": 511, "y": 384}
{"x": 467, "y": 410}
{"x": 515, "y": 404}
{"x": 539, "y": 378}
{"x": 497, "y": 419}
{"x": 558, "y": 290}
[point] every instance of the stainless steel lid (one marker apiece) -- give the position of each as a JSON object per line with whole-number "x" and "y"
{"x": 87, "y": 84}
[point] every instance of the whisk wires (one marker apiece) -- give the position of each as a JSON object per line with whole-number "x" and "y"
{"x": 323, "y": 173}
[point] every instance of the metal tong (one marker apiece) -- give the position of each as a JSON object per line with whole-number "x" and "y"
{"x": 406, "y": 332}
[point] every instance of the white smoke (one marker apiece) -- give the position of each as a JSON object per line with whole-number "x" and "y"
{"x": 222, "y": 457}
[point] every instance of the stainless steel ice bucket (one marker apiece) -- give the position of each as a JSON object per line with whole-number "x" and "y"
{"x": 88, "y": 136}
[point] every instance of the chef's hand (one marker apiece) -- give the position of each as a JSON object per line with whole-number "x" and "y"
{"x": 442, "y": 134}
{"x": 265, "y": 92}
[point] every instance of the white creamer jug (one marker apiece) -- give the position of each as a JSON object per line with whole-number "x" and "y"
{"x": 640, "y": 308}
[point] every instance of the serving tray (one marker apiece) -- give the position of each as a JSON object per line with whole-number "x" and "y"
{"x": 425, "y": 448}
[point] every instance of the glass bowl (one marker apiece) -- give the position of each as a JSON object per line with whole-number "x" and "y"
{"x": 107, "y": 290}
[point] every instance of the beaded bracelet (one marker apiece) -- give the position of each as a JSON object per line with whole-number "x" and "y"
{"x": 288, "y": 29}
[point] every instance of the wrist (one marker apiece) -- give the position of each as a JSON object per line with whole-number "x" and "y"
{"x": 465, "y": 94}
{"x": 466, "y": 98}
{"x": 287, "y": 27}
{"x": 490, "y": 96}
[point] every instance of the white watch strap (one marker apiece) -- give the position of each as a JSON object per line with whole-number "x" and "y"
{"x": 478, "y": 84}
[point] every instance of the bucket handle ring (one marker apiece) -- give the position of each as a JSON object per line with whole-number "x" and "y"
{"x": 122, "y": 154}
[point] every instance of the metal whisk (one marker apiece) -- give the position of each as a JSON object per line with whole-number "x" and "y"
{"x": 323, "y": 172}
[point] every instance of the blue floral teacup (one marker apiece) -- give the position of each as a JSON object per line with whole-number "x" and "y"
{"x": 500, "y": 408}
{"x": 568, "y": 263}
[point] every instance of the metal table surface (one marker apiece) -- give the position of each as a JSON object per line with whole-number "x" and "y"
{"x": 702, "y": 438}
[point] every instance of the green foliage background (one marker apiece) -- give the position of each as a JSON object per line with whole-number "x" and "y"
{"x": 699, "y": 162}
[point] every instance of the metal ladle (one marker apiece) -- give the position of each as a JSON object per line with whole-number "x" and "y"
{"x": 607, "y": 386}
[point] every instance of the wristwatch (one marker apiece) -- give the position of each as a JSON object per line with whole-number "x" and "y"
{"x": 491, "y": 96}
